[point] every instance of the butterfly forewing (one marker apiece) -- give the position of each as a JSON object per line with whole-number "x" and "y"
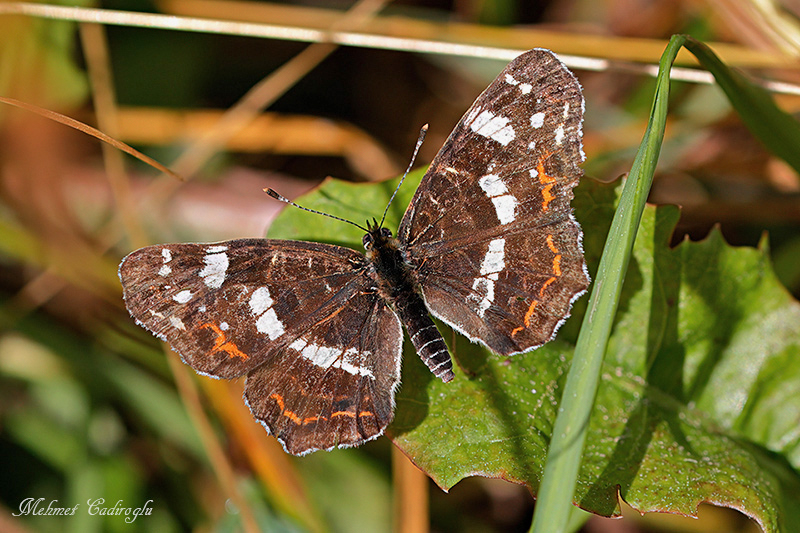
{"x": 266, "y": 308}
{"x": 490, "y": 228}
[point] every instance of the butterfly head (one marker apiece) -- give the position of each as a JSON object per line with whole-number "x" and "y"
{"x": 382, "y": 249}
{"x": 376, "y": 237}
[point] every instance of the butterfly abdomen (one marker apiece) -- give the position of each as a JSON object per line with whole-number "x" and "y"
{"x": 397, "y": 286}
{"x": 424, "y": 334}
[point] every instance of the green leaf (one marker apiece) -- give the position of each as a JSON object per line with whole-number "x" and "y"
{"x": 686, "y": 407}
{"x": 776, "y": 129}
{"x": 356, "y": 202}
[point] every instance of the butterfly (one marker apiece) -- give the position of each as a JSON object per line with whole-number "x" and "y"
{"x": 488, "y": 245}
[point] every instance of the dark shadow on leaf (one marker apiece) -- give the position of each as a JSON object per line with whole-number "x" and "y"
{"x": 717, "y": 293}
{"x": 486, "y": 374}
{"x": 413, "y": 401}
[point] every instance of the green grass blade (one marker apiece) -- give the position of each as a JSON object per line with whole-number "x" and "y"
{"x": 564, "y": 457}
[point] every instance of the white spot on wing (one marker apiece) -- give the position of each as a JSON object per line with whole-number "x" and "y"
{"x": 353, "y": 369}
{"x": 216, "y": 249}
{"x": 493, "y": 263}
{"x": 177, "y": 323}
{"x": 213, "y": 273}
{"x": 492, "y": 185}
{"x": 224, "y": 326}
{"x": 165, "y": 269}
{"x": 537, "y": 120}
{"x": 267, "y": 322}
{"x": 525, "y": 88}
{"x": 559, "y": 135}
{"x": 298, "y": 344}
{"x": 493, "y": 127}
{"x": 329, "y": 356}
{"x": 183, "y": 297}
{"x": 506, "y": 207}
{"x": 325, "y": 356}
{"x": 504, "y": 204}
{"x": 260, "y": 300}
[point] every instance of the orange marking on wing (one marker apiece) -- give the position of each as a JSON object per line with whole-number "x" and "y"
{"x": 278, "y": 399}
{"x": 556, "y": 264}
{"x": 556, "y": 270}
{"x": 293, "y": 417}
{"x": 547, "y": 283}
{"x": 550, "y": 244}
{"x": 282, "y": 406}
{"x": 546, "y": 180}
{"x": 529, "y": 314}
{"x": 311, "y": 419}
{"x": 223, "y": 345}
{"x": 330, "y": 316}
{"x": 527, "y": 319}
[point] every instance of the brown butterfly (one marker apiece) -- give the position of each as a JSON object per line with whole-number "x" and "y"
{"x": 488, "y": 245}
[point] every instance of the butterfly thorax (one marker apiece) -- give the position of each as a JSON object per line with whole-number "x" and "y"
{"x": 394, "y": 276}
{"x": 399, "y": 288}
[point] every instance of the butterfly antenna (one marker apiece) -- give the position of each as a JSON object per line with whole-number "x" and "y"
{"x": 273, "y": 194}
{"x": 421, "y": 138}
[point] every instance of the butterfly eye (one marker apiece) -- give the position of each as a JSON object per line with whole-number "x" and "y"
{"x": 367, "y": 241}
{"x": 386, "y": 232}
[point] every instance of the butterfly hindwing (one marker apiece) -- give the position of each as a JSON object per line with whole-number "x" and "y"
{"x": 471, "y": 287}
{"x": 351, "y": 400}
{"x": 268, "y": 309}
{"x": 490, "y": 228}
